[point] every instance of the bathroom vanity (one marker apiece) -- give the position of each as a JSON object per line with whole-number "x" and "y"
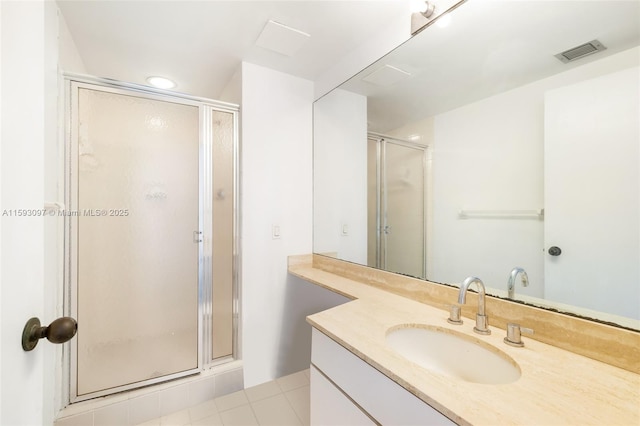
{"x": 465, "y": 152}
{"x": 347, "y": 390}
{"x": 358, "y": 378}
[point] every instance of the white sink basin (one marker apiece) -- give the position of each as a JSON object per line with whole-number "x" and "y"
{"x": 453, "y": 354}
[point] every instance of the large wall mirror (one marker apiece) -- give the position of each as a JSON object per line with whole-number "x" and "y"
{"x": 506, "y": 134}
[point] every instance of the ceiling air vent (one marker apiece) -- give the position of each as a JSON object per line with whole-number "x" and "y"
{"x": 581, "y": 51}
{"x": 386, "y": 76}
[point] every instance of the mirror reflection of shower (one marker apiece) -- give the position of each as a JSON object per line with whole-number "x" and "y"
{"x": 396, "y": 201}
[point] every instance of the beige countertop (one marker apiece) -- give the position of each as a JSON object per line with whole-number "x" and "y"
{"x": 557, "y": 387}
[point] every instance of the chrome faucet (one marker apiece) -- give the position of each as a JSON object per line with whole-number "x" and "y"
{"x": 511, "y": 284}
{"x": 482, "y": 320}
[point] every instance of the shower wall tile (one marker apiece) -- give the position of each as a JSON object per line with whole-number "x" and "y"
{"x": 85, "y": 419}
{"x": 115, "y": 414}
{"x": 144, "y": 408}
{"x": 229, "y": 381}
{"x": 201, "y": 391}
{"x": 174, "y": 399}
{"x": 152, "y": 403}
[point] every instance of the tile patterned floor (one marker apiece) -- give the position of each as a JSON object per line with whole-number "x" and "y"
{"x": 282, "y": 402}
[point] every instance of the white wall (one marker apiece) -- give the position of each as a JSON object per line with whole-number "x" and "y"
{"x": 593, "y": 201}
{"x": 28, "y": 87}
{"x": 276, "y": 175}
{"x": 232, "y": 91}
{"x": 340, "y": 176}
{"x": 2, "y": 36}
{"x": 69, "y": 57}
{"x": 488, "y": 156}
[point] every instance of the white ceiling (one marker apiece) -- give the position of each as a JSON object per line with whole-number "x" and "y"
{"x": 200, "y": 44}
{"x": 492, "y": 46}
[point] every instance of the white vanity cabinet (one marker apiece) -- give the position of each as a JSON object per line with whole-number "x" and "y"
{"x": 347, "y": 390}
{"x": 329, "y": 406}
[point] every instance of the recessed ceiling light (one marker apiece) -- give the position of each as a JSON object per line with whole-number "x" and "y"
{"x": 161, "y": 82}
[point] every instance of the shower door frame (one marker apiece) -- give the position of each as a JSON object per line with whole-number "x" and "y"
{"x": 381, "y": 141}
{"x": 72, "y": 84}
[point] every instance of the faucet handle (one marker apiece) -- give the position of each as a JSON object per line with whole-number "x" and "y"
{"x": 454, "y": 315}
{"x": 514, "y": 334}
{"x": 482, "y": 325}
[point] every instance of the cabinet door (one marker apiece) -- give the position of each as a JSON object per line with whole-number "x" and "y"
{"x": 372, "y": 392}
{"x": 329, "y": 406}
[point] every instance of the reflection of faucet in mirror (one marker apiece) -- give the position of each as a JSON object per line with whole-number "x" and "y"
{"x": 481, "y": 318}
{"x": 511, "y": 284}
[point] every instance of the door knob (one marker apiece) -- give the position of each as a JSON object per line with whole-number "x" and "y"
{"x": 555, "y": 251}
{"x": 59, "y": 331}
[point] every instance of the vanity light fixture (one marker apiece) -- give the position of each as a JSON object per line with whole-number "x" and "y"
{"x": 422, "y": 12}
{"x": 443, "y": 20}
{"x": 423, "y": 7}
{"x": 161, "y": 82}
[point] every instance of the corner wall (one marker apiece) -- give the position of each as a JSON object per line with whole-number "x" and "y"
{"x": 276, "y": 190}
{"x": 340, "y": 176}
{"x": 68, "y": 56}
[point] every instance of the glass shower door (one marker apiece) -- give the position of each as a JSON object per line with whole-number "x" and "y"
{"x": 136, "y": 223}
{"x": 404, "y": 199}
{"x": 222, "y": 234}
{"x": 396, "y": 206}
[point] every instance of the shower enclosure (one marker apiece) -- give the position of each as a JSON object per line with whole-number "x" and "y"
{"x": 150, "y": 235}
{"x": 396, "y": 205}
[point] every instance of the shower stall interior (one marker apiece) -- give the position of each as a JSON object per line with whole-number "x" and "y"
{"x": 396, "y": 205}
{"x": 150, "y": 235}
